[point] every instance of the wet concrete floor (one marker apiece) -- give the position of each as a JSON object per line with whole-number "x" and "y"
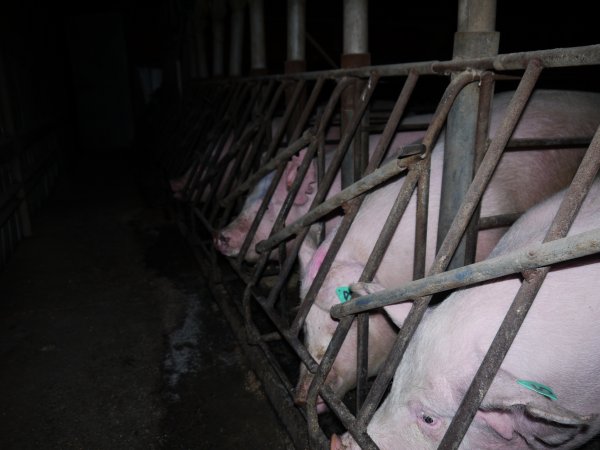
{"x": 109, "y": 336}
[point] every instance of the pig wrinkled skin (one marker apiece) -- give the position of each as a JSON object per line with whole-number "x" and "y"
{"x": 556, "y": 346}
{"x": 522, "y": 179}
{"x": 229, "y": 240}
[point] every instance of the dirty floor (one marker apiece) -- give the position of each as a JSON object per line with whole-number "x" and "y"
{"x": 109, "y": 336}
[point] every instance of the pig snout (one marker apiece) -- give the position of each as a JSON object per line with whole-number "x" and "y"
{"x": 222, "y": 241}
{"x": 301, "y": 394}
{"x": 336, "y": 443}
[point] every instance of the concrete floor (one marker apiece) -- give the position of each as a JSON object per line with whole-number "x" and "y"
{"x": 109, "y": 337}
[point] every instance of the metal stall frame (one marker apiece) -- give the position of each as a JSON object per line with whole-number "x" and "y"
{"x": 413, "y": 159}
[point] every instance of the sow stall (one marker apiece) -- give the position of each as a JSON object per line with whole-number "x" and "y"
{"x": 230, "y": 134}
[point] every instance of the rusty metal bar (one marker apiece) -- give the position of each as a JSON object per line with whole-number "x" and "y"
{"x": 488, "y": 165}
{"x": 368, "y": 273}
{"x": 475, "y": 37}
{"x": 324, "y": 368}
{"x": 587, "y": 55}
{"x": 325, "y": 183}
{"x": 353, "y": 206}
{"x": 281, "y": 157}
{"x": 373, "y": 178}
{"x": 529, "y": 257}
{"x": 421, "y": 214}
{"x": 365, "y": 184}
{"x": 484, "y": 110}
{"x": 483, "y": 175}
{"x": 515, "y": 316}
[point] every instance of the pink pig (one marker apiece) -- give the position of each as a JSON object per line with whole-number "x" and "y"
{"x": 230, "y": 239}
{"x": 521, "y": 179}
{"x": 556, "y": 346}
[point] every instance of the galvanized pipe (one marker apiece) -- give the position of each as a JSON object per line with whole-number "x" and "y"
{"x": 356, "y": 27}
{"x": 237, "y": 37}
{"x": 475, "y": 38}
{"x": 488, "y": 165}
{"x": 258, "y": 58}
{"x": 296, "y": 30}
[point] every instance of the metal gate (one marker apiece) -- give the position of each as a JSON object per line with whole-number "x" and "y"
{"x": 226, "y": 141}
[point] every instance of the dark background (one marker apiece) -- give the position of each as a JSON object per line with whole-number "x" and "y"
{"x": 81, "y": 60}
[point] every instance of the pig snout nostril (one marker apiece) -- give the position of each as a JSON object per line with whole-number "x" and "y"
{"x": 220, "y": 238}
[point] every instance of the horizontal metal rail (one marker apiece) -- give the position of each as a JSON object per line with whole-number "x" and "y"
{"x": 559, "y": 57}
{"x": 530, "y": 257}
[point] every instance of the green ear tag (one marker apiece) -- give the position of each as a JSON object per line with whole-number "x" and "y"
{"x": 343, "y": 293}
{"x": 539, "y": 388}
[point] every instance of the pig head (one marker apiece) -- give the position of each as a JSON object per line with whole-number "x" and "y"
{"x": 229, "y": 240}
{"x": 520, "y": 180}
{"x": 555, "y": 347}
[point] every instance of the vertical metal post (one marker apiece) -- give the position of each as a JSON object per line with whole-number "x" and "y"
{"x": 475, "y": 37}
{"x": 237, "y": 37}
{"x": 258, "y": 59}
{"x": 355, "y": 47}
{"x": 200, "y": 22}
{"x": 296, "y": 31}
{"x": 218, "y": 15}
{"x": 296, "y": 54}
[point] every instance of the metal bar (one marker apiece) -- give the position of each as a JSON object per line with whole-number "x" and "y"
{"x": 530, "y": 257}
{"x": 328, "y": 178}
{"x": 372, "y": 178}
{"x": 515, "y": 316}
{"x": 362, "y": 186}
{"x": 356, "y": 27}
{"x": 258, "y": 58}
{"x": 488, "y": 165}
{"x": 323, "y": 188}
{"x": 420, "y": 305}
{"x": 588, "y": 55}
{"x": 282, "y": 156}
{"x": 475, "y": 37}
{"x": 481, "y": 138}
{"x": 296, "y": 30}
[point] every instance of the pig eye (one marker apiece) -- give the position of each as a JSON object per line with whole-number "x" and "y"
{"x": 427, "y": 419}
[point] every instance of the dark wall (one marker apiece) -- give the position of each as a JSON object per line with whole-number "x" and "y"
{"x": 100, "y": 70}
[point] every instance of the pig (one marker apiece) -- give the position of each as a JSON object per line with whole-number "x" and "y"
{"x": 556, "y": 346}
{"x": 229, "y": 240}
{"x": 521, "y": 180}
{"x": 178, "y": 184}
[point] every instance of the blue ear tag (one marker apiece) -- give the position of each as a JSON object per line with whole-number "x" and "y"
{"x": 343, "y": 293}
{"x": 539, "y": 388}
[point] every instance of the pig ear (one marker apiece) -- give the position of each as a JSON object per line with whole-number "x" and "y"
{"x": 310, "y": 179}
{"x": 510, "y": 408}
